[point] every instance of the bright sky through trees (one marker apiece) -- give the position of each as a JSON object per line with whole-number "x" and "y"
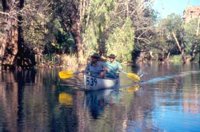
{"x": 166, "y": 7}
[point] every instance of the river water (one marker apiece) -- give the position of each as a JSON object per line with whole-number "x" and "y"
{"x": 167, "y": 100}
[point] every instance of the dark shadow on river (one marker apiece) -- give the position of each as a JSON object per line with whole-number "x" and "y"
{"x": 168, "y": 99}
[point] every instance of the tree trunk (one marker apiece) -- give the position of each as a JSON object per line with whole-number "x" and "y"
{"x": 193, "y": 53}
{"x": 183, "y": 56}
{"x": 199, "y": 53}
{"x": 177, "y": 43}
{"x": 101, "y": 41}
{"x": 2, "y": 46}
{"x": 76, "y": 31}
{"x": 198, "y": 24}
{"x": 10, "y": 41}
{"x": 15, "y": 53}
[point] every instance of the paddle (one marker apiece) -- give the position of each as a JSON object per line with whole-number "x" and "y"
{"x": 132, "y": 89}
{"x": 133, "y": 76}
{"x": 66, "y": 74}
{"x": 69, "y": 74}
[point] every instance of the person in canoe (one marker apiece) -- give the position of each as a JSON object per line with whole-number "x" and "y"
{"x": 95, "y": 68}
{"x": 112, "y": 67}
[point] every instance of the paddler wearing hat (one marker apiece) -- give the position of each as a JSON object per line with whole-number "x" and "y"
{"x": 95, "y": 67}
{"x": 112, "y": 67}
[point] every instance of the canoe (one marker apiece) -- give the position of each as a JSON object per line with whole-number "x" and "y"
{"x": 94, "y": 83}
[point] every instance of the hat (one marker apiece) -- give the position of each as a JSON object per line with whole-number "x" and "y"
{"x": 112, "y": 56}
{"x": 95, "y": 55}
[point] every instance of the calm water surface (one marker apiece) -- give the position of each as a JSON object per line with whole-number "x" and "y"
{"x": 168, "y": 100}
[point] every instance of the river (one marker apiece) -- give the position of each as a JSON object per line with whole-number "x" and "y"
{"x": 167, "y": 100}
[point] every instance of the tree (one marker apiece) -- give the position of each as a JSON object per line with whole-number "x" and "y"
{"x": 69, "y": 13}
{"x": 74, "y": 26}
{"x": 143, "y": 17}
{"x": 192, "y": 38}
{"x": 12, "y": 36}
{"x": 121, "y": 41}
{"x": 170, "y": 35}
{"x": 105, "y": 33}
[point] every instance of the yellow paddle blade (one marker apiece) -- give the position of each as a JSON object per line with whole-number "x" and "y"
{"x": 133, "y": 89}
{"x": 65, "y": 74}
{"x": 65, "y": 99}
{"x": 133, "y": 76}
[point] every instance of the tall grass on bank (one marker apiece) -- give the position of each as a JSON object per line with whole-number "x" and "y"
{"x": 176, "y": 59}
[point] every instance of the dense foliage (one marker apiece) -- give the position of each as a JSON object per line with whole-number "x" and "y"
{"x": 78, "y": 28}
{"x": 177, "y": 37}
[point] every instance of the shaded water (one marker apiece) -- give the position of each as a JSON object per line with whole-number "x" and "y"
{"x": 168, "y": 99}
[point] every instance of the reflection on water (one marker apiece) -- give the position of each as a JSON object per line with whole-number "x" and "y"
{"x": 96, "y": 101}
{"x": 167, "y": 100}
{"x": 65, "y": 99}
